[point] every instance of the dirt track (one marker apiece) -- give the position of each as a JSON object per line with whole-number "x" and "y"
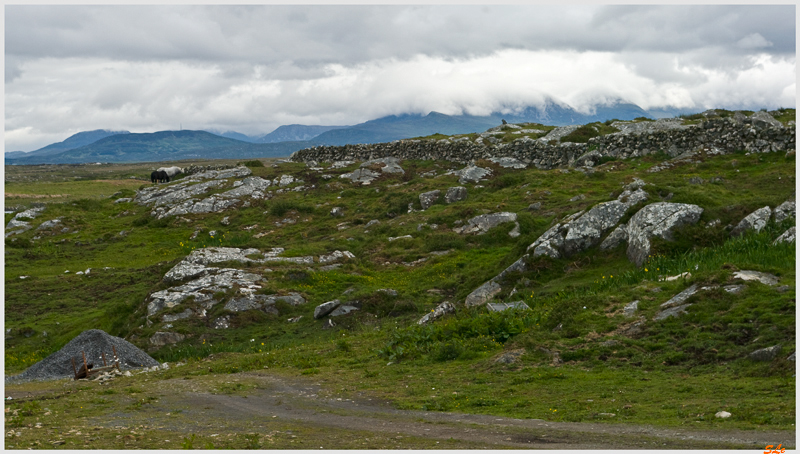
{"x": 257, "y": 402}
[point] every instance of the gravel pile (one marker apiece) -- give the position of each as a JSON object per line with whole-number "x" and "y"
{"x": 93, "y": 342}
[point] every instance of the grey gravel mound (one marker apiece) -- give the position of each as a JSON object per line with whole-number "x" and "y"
{"x": 93, "y": 342}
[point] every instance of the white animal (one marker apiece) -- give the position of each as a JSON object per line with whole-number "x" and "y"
{"x": 171, "y": 171}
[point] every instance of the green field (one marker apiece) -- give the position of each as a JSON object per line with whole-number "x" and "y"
{"x": 674, "y": 373}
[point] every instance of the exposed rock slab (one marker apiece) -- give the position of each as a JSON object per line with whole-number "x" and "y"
{"x": 764, "y": 278}
{"x": 786, "y": 237}
{"x": 765, "y": 354}
{"x": 617, "y": 236}
{"x": 482, "y": 294}
{"x": 17, "y": 225}
{"x": 471, "y": 174}
{"x": 481, "y": 224}
{"x": 361, "y": 175}
{"x": 630, "y": 309}
{"x": 500, "y": 307}
{"x": 784, "y": 211}
{"x": 455, "y": 194}
{"x": 336, "y": 256}
{"x": 440, "y": 311}
{"x": 509, "y": 162}
{"x": 676, "y": 305}
{"x": 203, "y": 288}
{"x": 343, "y": 309}
{"x": 427, "y": 199}
{"x": 756, "y": 220}
{"x": 582, "y": 230}
{"x": 253, "y": 187}
{"x": 326, "y": 308}
{"x": 657, "y": 220}
{"x": 388, "y": 165}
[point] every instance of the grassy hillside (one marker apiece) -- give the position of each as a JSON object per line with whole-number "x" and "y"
{"x": 675, "y": 372}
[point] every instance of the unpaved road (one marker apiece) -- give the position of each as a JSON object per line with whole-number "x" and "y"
{"x": 256, "y": 402}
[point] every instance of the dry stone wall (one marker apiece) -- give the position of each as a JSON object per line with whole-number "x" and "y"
{"x": 718, "y": 136}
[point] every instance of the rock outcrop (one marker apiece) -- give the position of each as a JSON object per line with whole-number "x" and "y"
{"x": 582, "y": 230}
{"x": 786, "y": 237}
{"x": 427, "y": 199}
{"x": 481, "y": 224}
{"x": 756, "y": 220}
{"x": 657, "y": 220}
{"x": 455, "y": 194}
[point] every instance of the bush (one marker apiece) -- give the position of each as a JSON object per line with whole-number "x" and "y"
{"x": 253, "y": 163}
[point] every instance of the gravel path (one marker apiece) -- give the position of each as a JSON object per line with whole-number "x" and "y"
{"x": 302, "y": 402}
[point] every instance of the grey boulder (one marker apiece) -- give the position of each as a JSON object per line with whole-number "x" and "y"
{"x": 361, "y": 175}
{"x": 786, "y": 237}
{"x": 763, "y": 120}
{"x": 427, "y": 199}
{"x": 482, "y": 294}
{"x": 509, "y": 163}
{"x": 657, "y": 220}
{"x": 388, "y": 165}
{"x": 784, "y": 211}
{"x": 481, "y": 224}
{"x": 582, "y": 230}
{"x": 753, "y": 221}
{"x": 765, "y": 354}
{"x": 615, "y": 238}
{"x": 455, "y": 194}
{"x": 440, "y": 311}
{"x": 326, "y": 308}
{"x": 472, "y": 174}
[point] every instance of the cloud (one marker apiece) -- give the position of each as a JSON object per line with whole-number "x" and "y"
{"x": 252, "y": 68}
{"x": 753, "y": 41}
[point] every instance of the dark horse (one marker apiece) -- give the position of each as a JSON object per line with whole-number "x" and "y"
{"x": 159, "y": 177}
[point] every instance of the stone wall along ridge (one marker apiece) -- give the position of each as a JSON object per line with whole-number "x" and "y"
{"x": 672, "y": 136}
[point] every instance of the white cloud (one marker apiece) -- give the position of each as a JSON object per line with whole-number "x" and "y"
{"x": 253, "y": 68}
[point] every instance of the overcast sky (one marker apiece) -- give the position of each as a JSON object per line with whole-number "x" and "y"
{"x": 253, "y": 68}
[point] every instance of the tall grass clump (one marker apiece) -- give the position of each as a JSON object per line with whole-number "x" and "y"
{"x": 458, "y": 337}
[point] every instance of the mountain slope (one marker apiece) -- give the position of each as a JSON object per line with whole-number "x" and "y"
{"x": 74, "y": 141}
{"x": 163, "y": 146}
{"x": 288, "y": 133}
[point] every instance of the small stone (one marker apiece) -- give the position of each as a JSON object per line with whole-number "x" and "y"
{"x": 722, "y": 414}
{"x": 631, "y": 308}
{"x": 765, "y": 354}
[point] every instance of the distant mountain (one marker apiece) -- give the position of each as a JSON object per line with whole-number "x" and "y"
{"x": 122, "y": 146}
{"x": 394, "y": 127}
{"x": 235, "y": 135}
{"x": 15, "y": 154}
{"x": 295, "y": 133}
{"x": 74, "y": 141}
{"x": 163, "y": 146}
